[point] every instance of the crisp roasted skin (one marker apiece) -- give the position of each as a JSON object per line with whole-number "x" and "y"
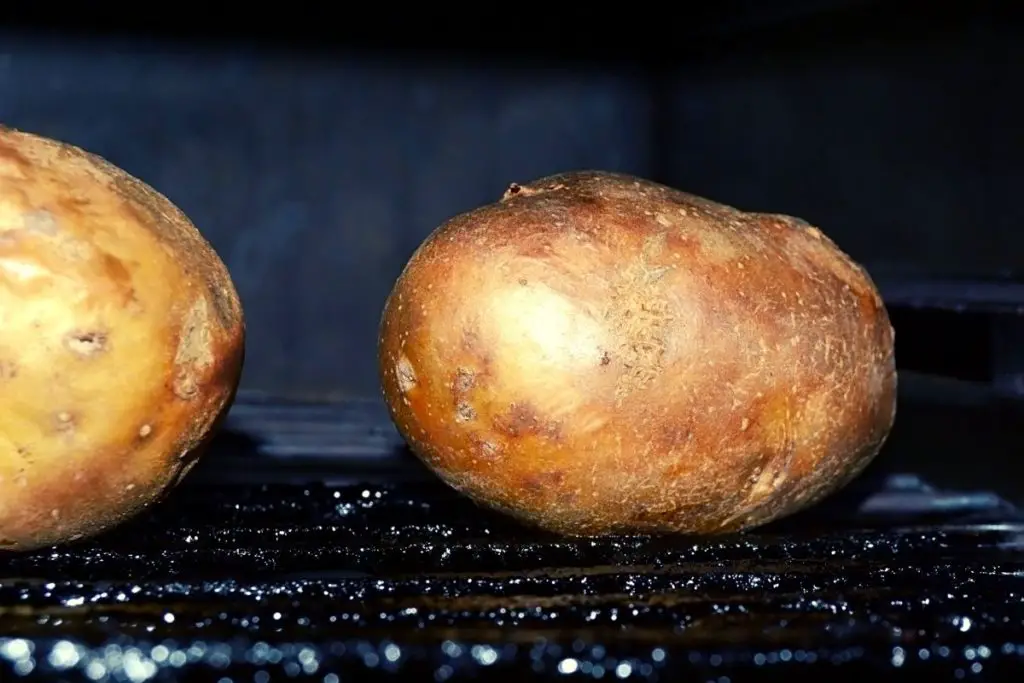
{"x": 122, "y": 343}
{"x": 599, "y": 354}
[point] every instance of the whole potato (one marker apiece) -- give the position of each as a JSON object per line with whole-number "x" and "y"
{"x": 596, "y": 353}
{"x": 122, "y": 343}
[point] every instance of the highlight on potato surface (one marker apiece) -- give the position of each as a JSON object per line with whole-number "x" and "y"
{"x": 596, "y": 353}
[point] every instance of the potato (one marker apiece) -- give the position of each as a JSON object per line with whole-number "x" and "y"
{"x": 122, "y": 343}
{"x": 599, "y": 354}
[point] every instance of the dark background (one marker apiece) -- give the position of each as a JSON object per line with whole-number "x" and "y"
{"x": 316, "y": 159}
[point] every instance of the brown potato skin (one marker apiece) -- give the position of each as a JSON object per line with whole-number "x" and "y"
{"x": 122, "y": 346}
{"x": 599, "y": 354}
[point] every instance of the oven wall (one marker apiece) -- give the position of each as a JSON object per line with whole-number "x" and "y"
{"x": 316, "y": 177}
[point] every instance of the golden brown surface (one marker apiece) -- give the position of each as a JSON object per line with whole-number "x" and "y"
{"x": 597, "y": 354}
{"x": 122, "y": 343}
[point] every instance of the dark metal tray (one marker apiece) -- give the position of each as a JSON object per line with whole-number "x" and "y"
{"x": 249, "y": 581}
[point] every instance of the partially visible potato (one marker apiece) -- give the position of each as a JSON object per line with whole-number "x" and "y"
{"x": 599, "y": 354}
{"x": 121, "y": 349}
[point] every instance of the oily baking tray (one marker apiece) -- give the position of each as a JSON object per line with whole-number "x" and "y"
{"x": 381, "y": 573}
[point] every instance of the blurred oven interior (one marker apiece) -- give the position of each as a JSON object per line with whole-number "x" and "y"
{"x": 315, "y": 168}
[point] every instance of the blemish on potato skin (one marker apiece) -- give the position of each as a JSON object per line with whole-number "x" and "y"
{"x": 461, "y": 385}
{"x": 405, "y": 375}
{"x": 464, "y": 412}
{"x": 464, "y": 381}
{"x": 194, "y": 353}
{"x": 8, "y": 369}
{"x": 185, "y": 386}
{"x": 640, "y": 319}
{"x": 86, "y": 343}
{"x": 117, "y": 275}
{"x": 519, "y": 190}
{"x": 543, "y": 481}
{"x": 64, "y": 421}
{"x": 489, "y": 449}
{"x": 522, "y": 419}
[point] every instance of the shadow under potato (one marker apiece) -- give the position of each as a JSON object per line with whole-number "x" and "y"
{"x": 233, "y": 449}
{"x": 947, "y": 446}
{"x": 838, "y": 509}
